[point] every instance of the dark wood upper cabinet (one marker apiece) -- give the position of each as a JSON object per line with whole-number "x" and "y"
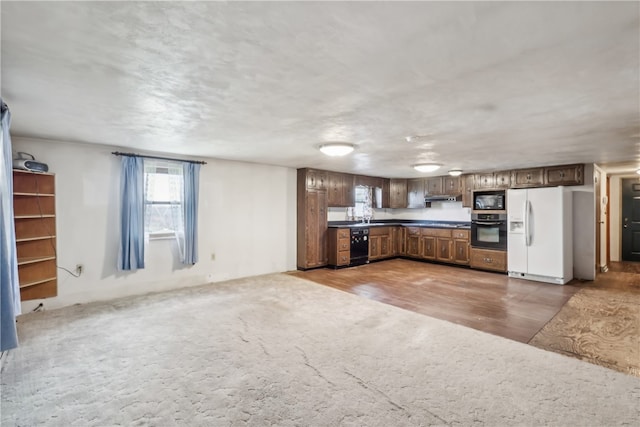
{"x": 467, "y": 190}
{"x": 452, "y": 185}
{"x": 564, "y": 175}
{"x": 340, "y": 190}
{"x": 523, "y": 178}
{"x": 386, "y": 193}
{"x": 484, "y": 181}
{"x": 434, "y": 186}
{"x": 415, "y": 193}
{"x": 316, "y": 179}
{"x": 398, "y": 193}
{"x": 369, "y": 181}
{"x": 502, "y": 179}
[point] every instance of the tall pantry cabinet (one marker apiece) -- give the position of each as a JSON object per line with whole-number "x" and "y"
{"x": 34, "y": 209}
{"x": 312, "y": 218}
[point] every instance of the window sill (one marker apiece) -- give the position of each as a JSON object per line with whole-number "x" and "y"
{"x": 162, "y": 235}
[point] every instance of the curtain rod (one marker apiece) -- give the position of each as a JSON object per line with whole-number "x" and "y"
{"x": 118, "y": 153}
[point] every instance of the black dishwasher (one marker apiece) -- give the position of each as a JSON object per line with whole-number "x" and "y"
{"x": 359, "y": 246}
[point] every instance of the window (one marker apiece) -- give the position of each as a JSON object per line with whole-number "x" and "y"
{"x": 163, "y": 198}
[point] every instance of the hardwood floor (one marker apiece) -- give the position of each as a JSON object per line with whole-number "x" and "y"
{"x": 489, "y": 302}
{"x": 597, "y": 321}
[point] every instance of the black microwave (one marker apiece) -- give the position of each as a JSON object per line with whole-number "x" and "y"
{"x": 489, "y": 200}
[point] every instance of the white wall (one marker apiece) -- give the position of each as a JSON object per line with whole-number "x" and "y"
{"x": 247, "y": 218}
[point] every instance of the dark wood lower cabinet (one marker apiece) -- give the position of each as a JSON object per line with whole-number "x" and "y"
{"x": 487, "y": 259}
{"x": 436, "y": 244}
{"x": 428, "y": 247}
{"x": 412, "y": 239}
{"x": 339, "y": 246}
{"x": 461, "y": 246}
{"x": 380, "y": 243}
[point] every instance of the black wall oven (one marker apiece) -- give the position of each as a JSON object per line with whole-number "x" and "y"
{"x": 489, "y": 231}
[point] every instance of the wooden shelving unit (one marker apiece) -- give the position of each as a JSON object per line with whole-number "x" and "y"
{"x": 35, "y": 222}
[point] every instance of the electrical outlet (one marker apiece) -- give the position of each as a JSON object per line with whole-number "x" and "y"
{"x": 79, "y": 269}
{"x": 213, "y": 257}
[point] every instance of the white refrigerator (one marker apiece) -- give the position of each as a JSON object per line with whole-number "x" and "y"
{"x": 540, "y": 234}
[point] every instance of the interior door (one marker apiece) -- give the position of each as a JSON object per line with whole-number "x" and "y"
{"x": 631, "y": 219}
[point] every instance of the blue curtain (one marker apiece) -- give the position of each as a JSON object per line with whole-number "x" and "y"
{"x": 9, "y": 285}
{"x": 131, "y": 254}
{"x": 191, "y": 185}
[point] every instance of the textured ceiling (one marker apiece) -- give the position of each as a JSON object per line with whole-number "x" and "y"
{"x": 483, "y": 85}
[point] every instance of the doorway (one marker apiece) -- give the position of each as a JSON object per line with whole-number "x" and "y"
{"x": 630, "y": 219}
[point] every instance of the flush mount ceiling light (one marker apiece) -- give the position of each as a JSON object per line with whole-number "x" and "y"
{"x": 455, "y": 172}
{"x": 638, "y": 171}
{"x": 337, "y": 148}
{"x": 427, "y": 167}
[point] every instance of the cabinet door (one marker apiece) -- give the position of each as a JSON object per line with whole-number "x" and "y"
{"x": 428, "y": 247}
{"x": 434, "y": 186}
{"x": 412, "y": 246}
{"x": 335, "y": 191}
{"x": 467, "y": 190}
{"x": 502, "y": 179}
{"x": 524, "y": 178}
{"x": 398, "y": 196}
{"x": 564, "y": 175}
{"x": 484, "y": 181}
{"x": 374, "y": 247}
{"x": 316, "y": 179}
{"x": 452, "y": 185}
{"x": 385, "y": 246}
{"x": 322, "y": 228}
{"x": 386, "y": 193}
{"x": 316, "y": 229}
{"x": 349, "y": 182}
{"x": 461, "y": 251}
{"x": 443, "y": 249}
{"x": 399, "y": 240}
{"x": 415, "y": 193}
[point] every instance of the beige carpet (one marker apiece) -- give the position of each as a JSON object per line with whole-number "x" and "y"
{"x": 278, "y": 350}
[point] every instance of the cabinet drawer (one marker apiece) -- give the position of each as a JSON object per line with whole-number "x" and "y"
{"x": 460, "y": 234}
{"x": 413, "y": 231}
{"x": 344, "y": 244}
{"x": 344, "y": 258}
{"x": 436, "y": 232}
{"x": 379, "y": 231}
{"x": 489, "y": 260}
{"x": 343, "y": 233}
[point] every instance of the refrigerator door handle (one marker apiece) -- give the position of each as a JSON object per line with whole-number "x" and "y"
{"x": 527, "y": 238}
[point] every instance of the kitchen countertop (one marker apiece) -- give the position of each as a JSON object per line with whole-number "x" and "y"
{"x": 403, "y": 222}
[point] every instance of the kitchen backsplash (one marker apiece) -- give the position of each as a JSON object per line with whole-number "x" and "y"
{"x": 440, "y": 211}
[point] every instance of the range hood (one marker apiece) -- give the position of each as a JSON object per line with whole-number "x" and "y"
{"x": 443, "y": 198}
